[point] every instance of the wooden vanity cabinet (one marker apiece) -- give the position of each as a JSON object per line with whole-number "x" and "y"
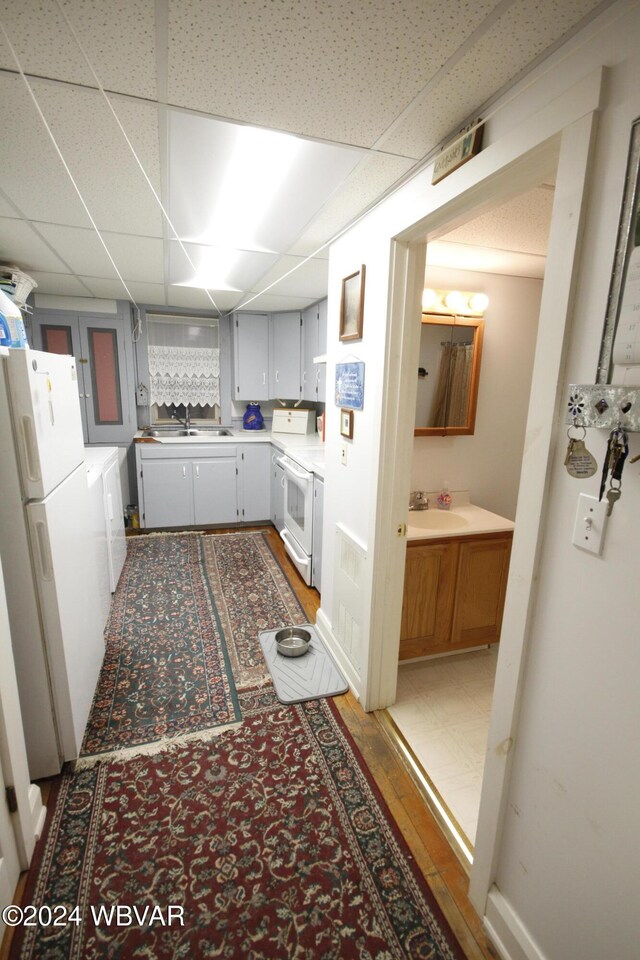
{"x": 454, "y": 591}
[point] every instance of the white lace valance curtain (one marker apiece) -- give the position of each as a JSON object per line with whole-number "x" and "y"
{"x": 188, "y": 375}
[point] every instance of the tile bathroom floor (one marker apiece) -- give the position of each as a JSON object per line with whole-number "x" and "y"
{"x": 442, "y": 711}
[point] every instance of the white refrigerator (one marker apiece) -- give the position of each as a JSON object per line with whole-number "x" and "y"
{"x": 47, "y": 555}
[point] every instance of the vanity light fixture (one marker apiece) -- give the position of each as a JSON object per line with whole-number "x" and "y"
{"x": 454, "y": 303}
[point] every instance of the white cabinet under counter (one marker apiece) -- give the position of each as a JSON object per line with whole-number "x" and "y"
{"x": 103, "y": 478}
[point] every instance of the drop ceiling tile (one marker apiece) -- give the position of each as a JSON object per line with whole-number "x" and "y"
{"x": 104, "y": 288}
{"x": 303, "y": 67}
{"x": 6, "y": 208}
{"x": 32, "y": 177}
{"x": 137, "y": 258}
{"x": 501, "y": 54}
{"x": 94, "y": 149}
{"x": 269, "y": 302}
{"x": 375, "y": 174}
{"x": 308, "y": 279}
{"x": 100, "y": 160}
{"x": 60, "y": 284}
{"x": 192, "y": 297}
{"x": 20, "y": 244}
{"x": 117, "y": 35}
{"x": 141, "y": 292}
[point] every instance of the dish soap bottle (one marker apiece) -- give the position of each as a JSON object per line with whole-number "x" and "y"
{"x": 444, "y": 498}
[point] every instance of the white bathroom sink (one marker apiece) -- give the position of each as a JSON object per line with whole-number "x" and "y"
{"x": 437, "y": 520}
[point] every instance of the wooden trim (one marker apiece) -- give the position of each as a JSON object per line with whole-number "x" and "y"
{"x": 469, "y": 427}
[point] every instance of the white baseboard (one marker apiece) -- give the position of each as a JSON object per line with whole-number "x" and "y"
{"x": 326, "y": 633}
{"x": 37, "y": 810}
{"x": 507, "y": 932}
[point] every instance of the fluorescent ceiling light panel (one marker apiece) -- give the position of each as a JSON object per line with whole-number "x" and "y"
{"x": 247, "y": 188}
{"x": 216, "y": 268}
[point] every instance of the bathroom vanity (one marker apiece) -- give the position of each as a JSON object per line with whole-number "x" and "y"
{"x": 455, "y": 580}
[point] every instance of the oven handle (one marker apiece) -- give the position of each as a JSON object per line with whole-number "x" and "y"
{"x": 300, "y": 474}
{"x": 304, "y": 561}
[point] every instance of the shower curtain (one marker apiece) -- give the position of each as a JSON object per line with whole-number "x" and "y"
{"x": 451, "y": 399}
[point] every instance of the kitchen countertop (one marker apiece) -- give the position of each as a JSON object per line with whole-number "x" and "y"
{"x": 305, "y": 449}
{"x": 464, "y": 519}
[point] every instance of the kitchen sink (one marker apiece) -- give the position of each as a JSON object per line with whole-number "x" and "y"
{"x": 183, "y": 432}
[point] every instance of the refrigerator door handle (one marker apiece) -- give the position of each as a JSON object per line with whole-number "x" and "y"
{"x": 110, "y": 506}
{"x": 30, "y": 449}
{"x": 44, "y": 550}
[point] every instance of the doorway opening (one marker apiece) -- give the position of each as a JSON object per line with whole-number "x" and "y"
{"x": 440, "y": 718}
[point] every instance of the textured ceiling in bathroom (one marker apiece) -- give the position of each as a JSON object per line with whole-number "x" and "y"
{"x": 378, "y": 84}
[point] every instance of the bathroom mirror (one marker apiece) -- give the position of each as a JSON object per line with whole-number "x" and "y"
{"x": 448, "y": 374}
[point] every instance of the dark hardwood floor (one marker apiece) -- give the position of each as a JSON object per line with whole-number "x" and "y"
{"x": 433, "y": 854}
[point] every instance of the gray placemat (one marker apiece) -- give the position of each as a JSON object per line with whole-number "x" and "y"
{"x": 309, "y": 677}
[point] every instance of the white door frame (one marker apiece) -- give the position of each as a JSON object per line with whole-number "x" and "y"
{"x": 570, "y": 145}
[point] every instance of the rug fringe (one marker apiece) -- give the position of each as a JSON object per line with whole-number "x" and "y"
{"x": 197, "y": 533}
{"x": 150, "y": 749}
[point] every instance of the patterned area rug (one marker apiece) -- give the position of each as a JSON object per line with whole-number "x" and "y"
{"x": 183, "y": 636}
{"x": 269, "y": 841}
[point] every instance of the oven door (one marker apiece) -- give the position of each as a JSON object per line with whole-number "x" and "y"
{"x": 298, "y": 504}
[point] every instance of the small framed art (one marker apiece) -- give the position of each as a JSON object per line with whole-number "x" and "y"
{"x": 346, "y": 424}
{"x": 352, "y": 306}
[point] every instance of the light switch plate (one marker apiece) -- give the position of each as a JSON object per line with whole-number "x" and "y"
{"x": 343, "y": 454}
{"x": 590, "y": 524}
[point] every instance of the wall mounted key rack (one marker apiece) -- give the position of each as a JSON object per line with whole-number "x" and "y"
{"x": 604, "y": 405}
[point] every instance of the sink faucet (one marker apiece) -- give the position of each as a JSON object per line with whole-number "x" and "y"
{"x": 418, "y": 500}
{"x": 187, "y": 420}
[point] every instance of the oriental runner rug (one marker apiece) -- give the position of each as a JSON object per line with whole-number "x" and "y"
{"x": 269, "y": 841}
{"x": 182, "y": 639}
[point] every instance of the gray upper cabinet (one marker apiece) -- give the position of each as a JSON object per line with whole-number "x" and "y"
{"x": 286, "y": 334}
{"x": 251, "y": 356}
{"x": 101, "y": 344}
{"x": 314, "y": 338}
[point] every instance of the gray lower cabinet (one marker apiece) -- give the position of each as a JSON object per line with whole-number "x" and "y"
{"x": 255, "y": 499}
{"x": 178, "y": 489}
{"x": 215, "y": 491}
{"x": 316, "y": 554}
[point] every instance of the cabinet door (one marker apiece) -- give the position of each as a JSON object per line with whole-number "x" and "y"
{"x": 316, "y": 554}
{"x": 482, "y": 582}
{"x": 115, "y": 522}
{"x": 429, "y": 585}
{"x": 168, "y": 494}
{"x": 215, "y": 491}
{"x": 322, "y": 349}
{"x": 309, "y": 351}
{"x": 255, "y": 461}
{"x": 251, "y": 356}
{"x": 285, "y": 356}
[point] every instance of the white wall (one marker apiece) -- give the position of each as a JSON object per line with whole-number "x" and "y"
{"x": 567, "y": 861}
{"x": 488, "y": 462}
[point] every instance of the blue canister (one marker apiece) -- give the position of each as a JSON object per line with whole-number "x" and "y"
{"x": 12, "y": 332}
{"x": 252, "y": 418}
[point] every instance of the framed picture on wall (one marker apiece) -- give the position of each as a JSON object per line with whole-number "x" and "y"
{"x": 352, "y": 306}
{"x": 346, "y": 424}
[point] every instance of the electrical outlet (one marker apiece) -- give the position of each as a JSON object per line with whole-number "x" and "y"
{"x": 343, "y": 454}
{"x": 590, "y": 524}
{"x": 141, "y": 395}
